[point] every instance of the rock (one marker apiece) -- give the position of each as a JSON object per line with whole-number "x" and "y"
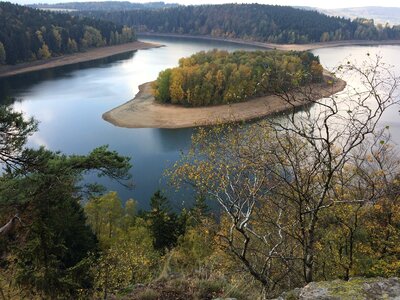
{"x": 355, "y": 289}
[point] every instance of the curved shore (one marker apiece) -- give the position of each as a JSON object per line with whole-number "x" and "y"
{"x": 78, "y": 57}
{"x": 286, "y": 47}
{"x": 144, "y": 112}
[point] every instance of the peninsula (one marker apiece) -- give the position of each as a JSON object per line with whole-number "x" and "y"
{"x": 144, "y": 112}
{"x": 217, "y": 87}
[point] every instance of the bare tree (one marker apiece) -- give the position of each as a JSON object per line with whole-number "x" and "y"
{"x": 330, "y": 132}
{"x": 274, "y": 178}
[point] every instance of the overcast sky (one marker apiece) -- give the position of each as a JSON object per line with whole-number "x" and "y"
{"x": 314, "y": 3}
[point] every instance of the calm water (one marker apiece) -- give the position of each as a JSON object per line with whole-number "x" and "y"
{"x": 69, "y": 101}
{"x": 332, "y": 57}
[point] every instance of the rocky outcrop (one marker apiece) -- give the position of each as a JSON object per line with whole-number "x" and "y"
{"x": 354, "y": 289}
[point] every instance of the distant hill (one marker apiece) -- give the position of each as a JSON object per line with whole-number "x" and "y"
{"x": 28, "y": 34}
{"x": 103, "y": 5}
{"x": 265, "y": 23}
{"x": 381, "y": 15}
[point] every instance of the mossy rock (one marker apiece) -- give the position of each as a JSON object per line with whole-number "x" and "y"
{"x": 354, "y": 289}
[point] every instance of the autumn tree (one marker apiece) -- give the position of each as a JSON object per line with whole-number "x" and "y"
{"x": 130, "y": 259}
{"x": 92, "y": 38}
{"x": 104, "y": 213}
{"x": 274, "y": 179}
{"x": 44, "y": 52}
{"x": 367, "y": 184}
{"x": 219, "y": 77}
{"x": 127, "y": 255}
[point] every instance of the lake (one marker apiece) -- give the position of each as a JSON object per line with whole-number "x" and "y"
{"x": 69, "y": 102}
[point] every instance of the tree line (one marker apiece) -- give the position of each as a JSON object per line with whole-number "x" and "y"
{"x": 253, "y": 22}
{"x": 220, "y": 77}
{"x": 103, "y": 5}
{"x": 28, "y": 34}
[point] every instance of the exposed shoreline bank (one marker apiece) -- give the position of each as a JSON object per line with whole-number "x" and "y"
{"x": 92, "y": 54}
{"x": 286, "y": 47}
{"x": 144, "y": 112}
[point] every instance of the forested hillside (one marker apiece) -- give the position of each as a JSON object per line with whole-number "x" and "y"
{"x": 266, "y": 23}
{"x": 219, "y": 77}
{"x": 103, "y": 5}
{"x": 28, "y": 34}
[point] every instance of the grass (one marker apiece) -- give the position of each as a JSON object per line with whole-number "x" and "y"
{"x": 149, "y": 294}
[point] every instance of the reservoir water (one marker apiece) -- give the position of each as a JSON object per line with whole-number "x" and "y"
{"x": 69, "y": 101}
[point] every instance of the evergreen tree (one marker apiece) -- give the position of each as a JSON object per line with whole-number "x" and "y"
{"x": 2, "y": 54}
{"x": 28, "y": 34}
{"x": 51, "y": 252}
{"x": 14, "y": 131}
{"x": 165, "y": 225}
{"x": 265, "y": 23}
{"x": 200, "y": 208}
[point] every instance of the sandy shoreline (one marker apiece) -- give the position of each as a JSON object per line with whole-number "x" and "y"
{"x": 286, "y": 47}
{"x": 144, "y": 112}
{"x": 74, "y": 58}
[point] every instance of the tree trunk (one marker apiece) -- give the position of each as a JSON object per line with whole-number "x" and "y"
{"x": 308, "y": 268}
{"x": 309, "y": 251}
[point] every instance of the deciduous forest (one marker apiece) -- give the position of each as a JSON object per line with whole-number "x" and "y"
{"x": 219, "y": 77}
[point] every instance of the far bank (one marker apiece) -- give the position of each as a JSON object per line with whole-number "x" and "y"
{"x": 92, "y": 54}
{"x": 272, "y": 46}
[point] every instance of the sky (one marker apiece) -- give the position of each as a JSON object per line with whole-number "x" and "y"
{"x": 313, "y": 3}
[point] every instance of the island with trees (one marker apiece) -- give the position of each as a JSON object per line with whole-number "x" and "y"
{"x": 217, "y": 86}
{"x": 219, "y": 77}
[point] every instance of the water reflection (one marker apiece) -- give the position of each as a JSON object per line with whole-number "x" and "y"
{"x": 331, "y": 58}
{"x": 173, "y": 140}
{"x": 22, "y": 83}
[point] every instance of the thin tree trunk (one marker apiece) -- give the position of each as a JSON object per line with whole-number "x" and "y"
{"x": 309, "y": 252}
